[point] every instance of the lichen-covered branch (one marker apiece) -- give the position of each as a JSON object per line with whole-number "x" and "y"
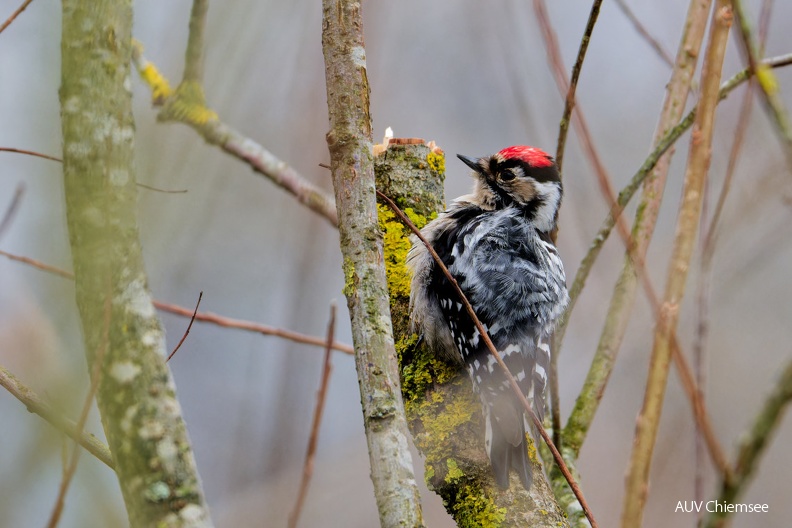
{"x": 350, "y": 143}
{"x": 752, "y": 446}
{"x": 621, "y": 302}
{"x": 443, "y": 412}
{"x": 187, "y": 105}
{"x": 136, "y": 396}
{"x": 637, "y": 481}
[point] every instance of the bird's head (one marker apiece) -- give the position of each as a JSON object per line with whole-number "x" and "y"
{"x": 519, "y": 176}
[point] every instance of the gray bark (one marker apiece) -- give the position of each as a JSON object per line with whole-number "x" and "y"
{"x": 136, "y": 396}
{"x": 350, "y": 145}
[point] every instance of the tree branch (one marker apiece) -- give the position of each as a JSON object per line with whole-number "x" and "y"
{"x": 350, "y": 145}
{"x": 687, "y": 224}
{"x": 136, "y": 396}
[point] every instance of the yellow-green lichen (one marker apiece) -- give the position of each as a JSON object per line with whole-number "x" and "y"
{"x": 436, "y": 161}
{"x": 397, "y": 244}
{"x": 454, "y": 473}
{"x": 188, "y": 104}
{"x": 160, "y": 88}
{"x": 349, "y": 277}
{"x": 441, "y": 420}
{"x": 472, "y": 508}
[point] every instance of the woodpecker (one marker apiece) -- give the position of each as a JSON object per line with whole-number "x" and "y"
{"x": 496, "y": 243}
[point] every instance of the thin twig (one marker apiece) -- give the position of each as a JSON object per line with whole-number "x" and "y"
{"x": 488, "y": 342}
{"x": 96, "y": 376}
{"x": 569, "y": 102}
{"x": 194, "y": 56}
{"x": 187, "y": 332}
{"x": 29, "y": 153}
{"x": 623, "y": 296}
{"x": 15, "y": 14}
{"x": 687, "y": 224}
{"x": 12, "y": 208}
{"x": 321, "y": 397}
{"x": 752, "y": 446}
{"x": 157, "y": 189}
{"x": 766, "y": 79}
{"x": 36, "y": 405}
{"x": 707, "y": 240}
{"x": 641, "y": 29}
{"x": 629, "y": 190}
{"x": 206, "y": 317}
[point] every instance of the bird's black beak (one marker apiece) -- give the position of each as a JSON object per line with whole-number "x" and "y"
{"x": 473, "y": 163}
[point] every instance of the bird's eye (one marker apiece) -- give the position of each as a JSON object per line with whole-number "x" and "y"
{"x": 507, "y": 175}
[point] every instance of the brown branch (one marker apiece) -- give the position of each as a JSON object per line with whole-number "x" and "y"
{"x": 36, "y": 405}
{"x": 491, "y": 347}
{"x": 187, "y": 332}
{"x": 687, "y": 223}
{"x": 206, "y": 317}
{"x": 29, "y": 153}
{"x": 313, "y": 441}
{"x": 96, "y": 374}
{"x": 641, "y": 29}
{"x": 766, "y": 79}
{"x": 623, "y": 296}
{"x": 15, "y": 14}
{"x": 569, "y": 102}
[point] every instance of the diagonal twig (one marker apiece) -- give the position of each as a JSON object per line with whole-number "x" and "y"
{"x": 313, "y": 441}
{"x": 15, "y": 14}
{"x": 687, "y": 223}
{"x": 12, "y": 208}
{"x": 488, "y": 342}
{"x": 641, "y": 29}
{"x": 206, "y": 317}
{"x": 96, "y": 375}
{"x": 36, "y": 405}
{"x": 187, "y": 332}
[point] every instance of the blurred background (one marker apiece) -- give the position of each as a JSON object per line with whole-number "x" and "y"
{"x": 474, "y": 77}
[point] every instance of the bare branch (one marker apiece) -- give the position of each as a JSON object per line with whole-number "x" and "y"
{"x": 187, "y": 105}
{"x": 12, "y": 208}
{"x": 187, "y": 332}
{"x": 351, "y": 158}
{"x": 687, "y": 223}
{"x": 15, "y": 14}
{"x": 206, "y": 317}
{"x": 641, "y": 29}
{"x": 36, "y": 405}
{"x": 313, "y": 441}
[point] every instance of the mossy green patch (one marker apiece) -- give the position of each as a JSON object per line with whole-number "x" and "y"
{"x": 349, "y": 277}
{"x": 473, "y": 509}
{"x": 188, "y": 104}
{"x": 397, "y": 244}
{"x": 454, "y": 473}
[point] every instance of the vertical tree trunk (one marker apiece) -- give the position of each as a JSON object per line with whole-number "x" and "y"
{"x": 350, "y": 144}
{"x": 136, "y": 395}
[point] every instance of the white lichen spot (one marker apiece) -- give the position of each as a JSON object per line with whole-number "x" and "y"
{"x": 103, "y": 128}
{"x": 119, "y": 177}
{"x": 71, "y": 105}
{"x": 137, "y": 299}
{"x": 123, "y": 134}
{"x": 152, "y": 338}
{"x": 170, "y": 407}
{"x": 168, "y": 454}
{"x": 124, "y": 371}
{"x": 151, "y": 430}
{"x": 129, "y": 417}
{"x": 78, "y": 149}
{"x": 157, "y": 492}
{"x": 87, "y": 24}
{"x": 192, "y": 514}
{"x": 128, "y": 84}
{"x": 359, "y": 56}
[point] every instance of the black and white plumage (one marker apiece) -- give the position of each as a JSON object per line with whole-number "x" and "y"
{"x": 496, "y": 243}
